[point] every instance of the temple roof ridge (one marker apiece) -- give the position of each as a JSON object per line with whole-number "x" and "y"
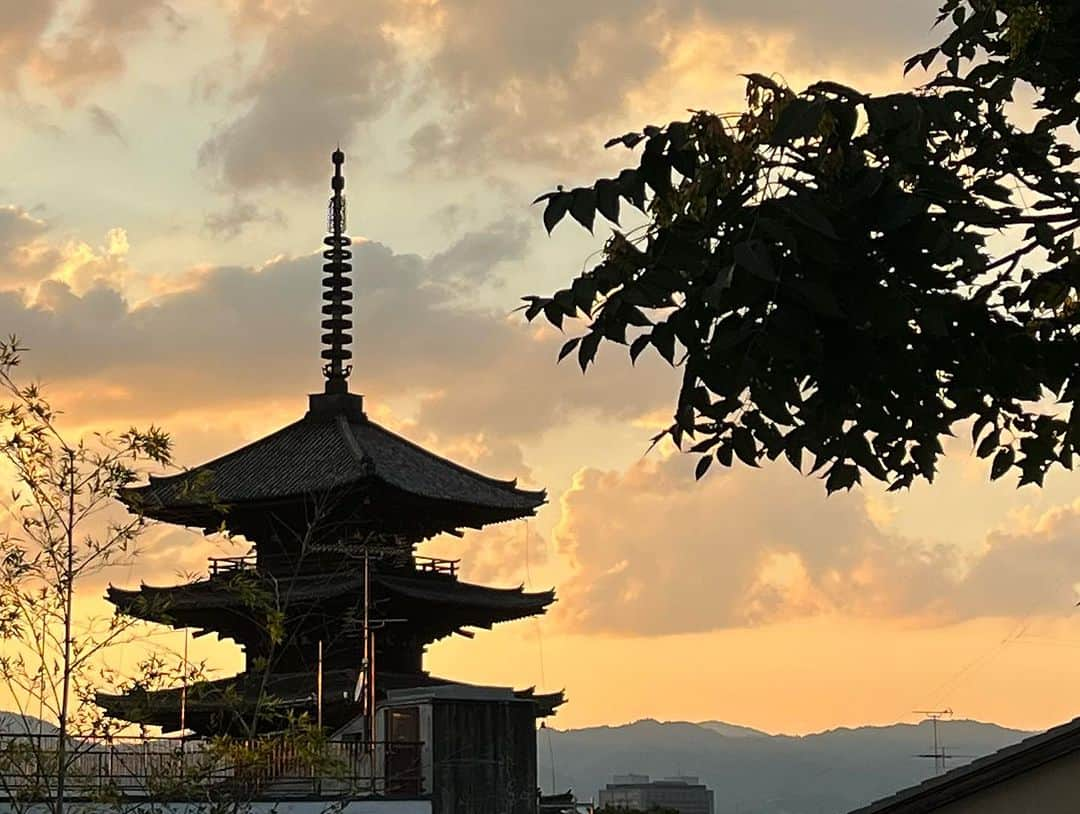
{"x": 334, "y": 446}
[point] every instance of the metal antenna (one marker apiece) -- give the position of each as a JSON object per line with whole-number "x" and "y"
{"x": 938, "y": 754}
{"x": 336, "y": 295}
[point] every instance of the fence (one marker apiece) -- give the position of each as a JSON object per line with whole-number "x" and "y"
{"x": 165, "y": 768}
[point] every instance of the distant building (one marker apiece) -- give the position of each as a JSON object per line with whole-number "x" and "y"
{"x": 635, "y": 792}
{"x": 1040, "y": 774}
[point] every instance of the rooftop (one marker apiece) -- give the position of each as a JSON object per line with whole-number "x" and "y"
{"x": 330, "y": 451}
{"x": 982, "y": 773}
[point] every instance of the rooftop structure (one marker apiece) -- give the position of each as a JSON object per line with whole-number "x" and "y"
{"x": 1040, "y": 773}
{"x": 333, "y": 608}
{"x": 635, "y": 792}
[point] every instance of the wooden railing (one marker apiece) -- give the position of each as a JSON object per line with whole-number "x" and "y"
{"x": 220, "y": 566}
{"x": 226, "y": 565}
{"x": 437, "y": 565}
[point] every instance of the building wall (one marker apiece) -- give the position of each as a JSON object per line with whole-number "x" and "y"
{"x": 685, "y": 799}
{"x": 483, "y": 757}
{"x": 1053, "y": 788}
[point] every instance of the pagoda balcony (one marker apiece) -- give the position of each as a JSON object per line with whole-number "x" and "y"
{"x": 225, "y": 566}
{"x": 425, "y": 591}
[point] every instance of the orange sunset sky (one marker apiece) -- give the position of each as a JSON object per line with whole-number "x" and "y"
{"x": 163, "y": 176}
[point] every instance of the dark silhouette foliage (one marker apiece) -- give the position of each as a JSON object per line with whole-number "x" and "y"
{"x": 826, "y": 268}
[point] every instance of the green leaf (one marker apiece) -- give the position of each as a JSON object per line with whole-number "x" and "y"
{"x": 981, "y": 424}
{"x": 587, "y": 349}
{"x": 568, "y": 347}
{"x": 841, "y": 476}
{"x": 685, "y": 162}
{"x": 607, "y": 199}
{"x": 632, "y": 187}
{"x": 794, "y": 453}
{"x": 743, "y": 442}
{"x": 1002, "y": 462}
{"x": 988, "y": 445}
{"x": 989, "y": 188}
{"x": 630, "y": 140}
{"x": 800, "y": 118}
{"x": 557, "y": 207}
{"x": 554, "y": 314}
{"x": 753, "y": 255}
{"x": 583, "y": 206}
{"x": 656, "y": 170}
{"x": 724, "y": 455}
{"x": 703, "y": 464}
{"x": 808, "y": 214}
{"x": 762, "y": 81}
{"x": 836, "y": 89}
{"x": 663, "y": 339}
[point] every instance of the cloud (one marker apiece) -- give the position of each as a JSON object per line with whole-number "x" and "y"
{"x": 228, "y": 223}
{"x": 92, "y": 49}
{"x": 29, "y": 262}
{"x": 105, "y": 123}
{"x": 21, "y": 28}
{"x": 474, "y": 259}
{"x": 655, "y": 553}
{"x": 24, "y": 256}
{"x": 547, "y": 82}
{"x": 321, "y": 74}
{"x": 238, "y": 336}
{"x": 518, "y": 81}
{"x": 503, "y": 555}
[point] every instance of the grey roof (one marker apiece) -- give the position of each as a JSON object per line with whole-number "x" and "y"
{"x": 321, "y": 453}
{"x": 963, "y": 781}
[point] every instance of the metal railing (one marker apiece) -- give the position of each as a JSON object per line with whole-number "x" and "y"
{"x": 179, "y": 769}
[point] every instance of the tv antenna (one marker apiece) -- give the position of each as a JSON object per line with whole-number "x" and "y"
{"x": 940, "y": 754}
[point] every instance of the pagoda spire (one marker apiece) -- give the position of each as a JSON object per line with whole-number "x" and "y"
{"x": 337, "y": 308}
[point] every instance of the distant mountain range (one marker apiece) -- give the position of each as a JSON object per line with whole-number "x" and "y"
{"x": 752, "y": 772}
{"x": 749, "y": 771}
{"x": 12, "y": 723}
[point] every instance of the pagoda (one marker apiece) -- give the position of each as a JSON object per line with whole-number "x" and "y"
{"x": 332, "y": 607}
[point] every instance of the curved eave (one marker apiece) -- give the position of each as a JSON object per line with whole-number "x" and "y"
{"x": 445, "y": 515}
{"x": 339, "y": 455}
{"x": 456, "y": 604}
{"x": 293, "y": 690}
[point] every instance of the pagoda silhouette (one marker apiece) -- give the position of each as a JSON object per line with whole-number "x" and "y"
{"x": 332, "y": 607}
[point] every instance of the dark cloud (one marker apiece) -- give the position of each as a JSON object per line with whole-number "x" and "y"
{"x": 105, "y": 122}
{"x": 540, "y": 81}
{"x": 228, "y": 223}
{"x": 474, "y": 259}
{"x": 17, "y": 226}
{"x": 657, "y": 554}
{"x": 239, "y": 336}
{"x": 321, "y": 74}
{"x": 517, "y": 80}
{"x": 24, "y": 258}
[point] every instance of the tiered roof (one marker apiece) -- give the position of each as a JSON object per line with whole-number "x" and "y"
{"x": 448, "y": 603}
{"x": 337, "y": 451}
{"x": 280, "y": 694}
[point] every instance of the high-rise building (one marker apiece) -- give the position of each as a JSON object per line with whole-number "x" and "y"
{"x": 635, "y": 792}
